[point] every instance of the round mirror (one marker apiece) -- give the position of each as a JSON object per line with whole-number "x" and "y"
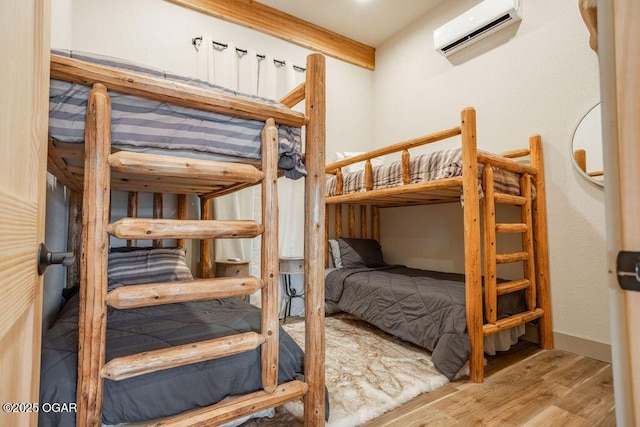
{"x": 586, "y": 146}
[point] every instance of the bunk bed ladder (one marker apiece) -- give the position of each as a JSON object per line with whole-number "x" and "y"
{"x": 94, "y": 297}
{"x": 492, "y": 258}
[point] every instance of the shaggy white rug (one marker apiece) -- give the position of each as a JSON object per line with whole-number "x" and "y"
{"x": 368, "y": 372}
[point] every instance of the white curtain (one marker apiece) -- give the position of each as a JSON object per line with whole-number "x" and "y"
{"x": 248, "y": 73}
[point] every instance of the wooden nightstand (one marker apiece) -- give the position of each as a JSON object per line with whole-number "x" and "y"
{"x": 232, "y": 267}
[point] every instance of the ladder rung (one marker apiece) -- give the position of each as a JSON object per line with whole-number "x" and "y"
{"x": 137, "y": 228}
{"x": 237, "y": 406}
{"x": 511, "y": 257}
{"x": 151, "y": 361}
{"x": 508, "y": 199}
{"x": 167, "y": 293}
{"x": 182, "y": 167}
{"x": 511, "y": 321}
{"x": 512, "y": 228}
{"x": 512, "y": 286}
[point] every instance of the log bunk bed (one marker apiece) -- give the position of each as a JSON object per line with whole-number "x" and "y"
{"x": 479, "y": 302}
{"x": 91, "y": 170}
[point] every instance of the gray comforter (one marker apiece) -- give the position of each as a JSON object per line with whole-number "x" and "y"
{"x": 426, "y": 308}
{"x": 165, "y": 392}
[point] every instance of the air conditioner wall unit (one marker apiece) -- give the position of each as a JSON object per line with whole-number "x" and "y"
{"x": 475, "y": 24}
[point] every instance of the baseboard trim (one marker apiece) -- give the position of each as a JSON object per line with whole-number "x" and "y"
{"x": 588, "y": 348}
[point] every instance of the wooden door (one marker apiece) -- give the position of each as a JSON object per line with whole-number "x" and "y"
{"x": 619, "y": 58}
{"x": 24, "y": 83}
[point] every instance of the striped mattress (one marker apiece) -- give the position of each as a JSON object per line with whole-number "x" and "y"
{"x": 141, "y": 124}
{"x": 426, "y": 167}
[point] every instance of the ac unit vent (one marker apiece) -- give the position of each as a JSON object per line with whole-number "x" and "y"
{"x": 491, "y": 25}
{"x": 475, "y": 24}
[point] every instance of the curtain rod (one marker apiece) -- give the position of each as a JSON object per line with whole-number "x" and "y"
{"x": 197, "y": 40}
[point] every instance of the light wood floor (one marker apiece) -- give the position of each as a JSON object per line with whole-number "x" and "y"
{"x": 523, "y": 387}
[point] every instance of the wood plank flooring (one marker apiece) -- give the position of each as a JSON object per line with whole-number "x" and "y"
{"x": 523, "y": 387}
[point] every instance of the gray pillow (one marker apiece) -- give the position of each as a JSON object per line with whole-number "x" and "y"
{"x": 360, "y": 253}
{"x": 147, "y": 265}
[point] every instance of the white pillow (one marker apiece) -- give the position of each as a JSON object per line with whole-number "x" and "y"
{"x": 341, "y": 155}
{"x": 334, "y": 249}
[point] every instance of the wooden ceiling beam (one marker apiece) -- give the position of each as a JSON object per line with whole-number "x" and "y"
{"x": 271, "y": 21}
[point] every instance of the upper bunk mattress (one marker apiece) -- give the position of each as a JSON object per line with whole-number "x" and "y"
{"x": 425, "y": 167}
{"x": 141, "y": 124}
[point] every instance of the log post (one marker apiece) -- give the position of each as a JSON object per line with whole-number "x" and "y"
{"x": 406, "y": 167}
{"x": 352, "y": 221}
{"x": 95, "y": 244}
{"x": 182, "y": 214}
{"x": 205, "y": 244}
{"x": 314, "y": 248}
{"x": 472, "y": 244}
{"x": 157, "y": 214}
{"x": 132, "y": 211}
{"x": 74, "y": 237}
{"x": 368, "y": 175}
{"x": 580, "y": 156}
{"x": 269, "y": 262}
{"x": 490, "y": 247}
{"x": 528, "y": 265}
{"x": 541, "y": 245}
{"x": 375, "y": 222}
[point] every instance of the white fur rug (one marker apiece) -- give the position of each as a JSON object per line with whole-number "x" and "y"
{"x": 368, "y": 372}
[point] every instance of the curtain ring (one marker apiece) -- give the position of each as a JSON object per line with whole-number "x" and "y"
{"x": 196, "y": 41}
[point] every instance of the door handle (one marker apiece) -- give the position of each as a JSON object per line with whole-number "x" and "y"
{"x": 628, "y": 266}
{"x": 47, "y": 258}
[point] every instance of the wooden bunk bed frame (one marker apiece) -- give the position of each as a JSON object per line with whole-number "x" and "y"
{"x": 533, "y": 226}
{"x": 87, "y": 173}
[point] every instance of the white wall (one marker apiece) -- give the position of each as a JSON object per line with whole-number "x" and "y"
{"x": 61, "y": 23}
{"x": 537, "y": 77}
{"x": 158, "y": 33}
{"x": 56, "y": 241}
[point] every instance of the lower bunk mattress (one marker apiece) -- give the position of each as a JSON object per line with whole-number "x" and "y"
{"x": 426, "y": 308}
{"x": 167, "y": 392}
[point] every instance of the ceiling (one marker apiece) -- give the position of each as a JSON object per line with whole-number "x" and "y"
{"x": 371, "y": 22}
